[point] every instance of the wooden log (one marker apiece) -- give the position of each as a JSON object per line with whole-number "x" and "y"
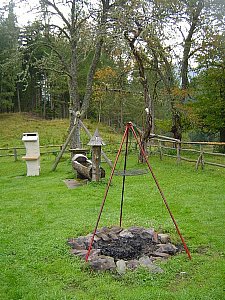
{"x": 83, "y": 171}
{"x": 214, "y": 153}
{"x": 191, "y": 150}
{"x": 182, "y": 158}
{"x": 188, "y": 159}
{"x": 214, "y": 164}
{"x": 205, "y": 143}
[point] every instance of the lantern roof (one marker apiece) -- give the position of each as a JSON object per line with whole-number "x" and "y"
{"x": 96, "y": 139}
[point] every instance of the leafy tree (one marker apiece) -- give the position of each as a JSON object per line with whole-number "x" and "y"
{"x": 162, "y": 24}
{"x": 210, "y": 105}
{"x": 9, "y": 58}
{"x": 33, "y": 78}
{"x": 83, "y": 20}
{"x": 197, "y": 21}
{"x": 209, "y": 88}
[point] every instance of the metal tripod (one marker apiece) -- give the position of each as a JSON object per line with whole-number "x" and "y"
{"x": 130, "y": 127}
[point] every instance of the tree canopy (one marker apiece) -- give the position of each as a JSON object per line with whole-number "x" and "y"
{"x": 112, "y": 59}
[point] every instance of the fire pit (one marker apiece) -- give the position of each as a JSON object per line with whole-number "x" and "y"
{"x": 119, "y": 249}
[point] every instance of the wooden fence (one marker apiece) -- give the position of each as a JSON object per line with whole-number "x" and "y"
{"x": 16, "y": 152}
{"x": 195, "y": 152}
{"x": 200, "y": 153}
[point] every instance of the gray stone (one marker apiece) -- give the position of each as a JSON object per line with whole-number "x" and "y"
{"x": 150, "y": 231}
{"x": 126, "y": 234}
{"x": 105, "y": 230}
{"x": 103, "y": 263}
{"x": 155, "y": 237}
{"x": 160, "y": 254}
{"x": 164, "y": 238}
{"x": 148, "y": 249}
{"x": 103, "y": 236}
{"x": 136, "y": 230}
{"x": 87, "y": 239}
{"x": 80, "y": 253}
{"x": 132, "y": 264}
{"x": 75, "y": 245}
{"x": 167, "y": 248}
{"x": 146, "y": 262}
{"x": 81, "y": 241}
{"x": 155, "y": 269}
{"x": 113, "y": 236}
{"x": 147, "y": 233}
{"x": 94, "y": 253}
{"x": 116, "y": 229}
{"x": 96, "y": 238}
{"x": 121, "y": 266}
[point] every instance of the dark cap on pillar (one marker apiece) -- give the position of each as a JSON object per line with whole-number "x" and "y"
{"x": 96, "y": 140}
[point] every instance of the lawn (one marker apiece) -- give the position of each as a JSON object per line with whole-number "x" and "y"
{"x": 39, "y": 214}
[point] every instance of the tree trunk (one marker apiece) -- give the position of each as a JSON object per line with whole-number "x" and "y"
{"x": 187, "y": 45}
{"x": 99, "y": 111}
{"x": 74, "y": 104}
{"x": 147, "y": 97}
{"x": 73, "y": 82}
{"x": 18, "y": 99}
{"x": 177, "y": 124}
{"x": 168, "y": 81}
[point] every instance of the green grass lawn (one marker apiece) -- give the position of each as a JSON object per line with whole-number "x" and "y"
{"x": 39, "y": 214}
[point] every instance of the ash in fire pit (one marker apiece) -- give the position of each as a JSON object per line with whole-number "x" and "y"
{"x": 121, "y": 249}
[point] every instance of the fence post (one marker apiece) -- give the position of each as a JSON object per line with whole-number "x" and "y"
{"x": 178, "y": 146}
{"x": 160, "y": 149}
{"x": 202, "y": 156}
{"x": 15, "y": 154}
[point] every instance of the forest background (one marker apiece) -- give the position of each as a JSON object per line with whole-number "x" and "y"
{"x": 154, "y": 62}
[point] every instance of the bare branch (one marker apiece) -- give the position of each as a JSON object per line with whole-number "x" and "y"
{"x": 54, "y": 6}
{"x": 62, "y": 30}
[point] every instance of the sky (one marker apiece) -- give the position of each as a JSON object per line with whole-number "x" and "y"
{"x": 24, "y": 13}
{"x": 23, "y": 10}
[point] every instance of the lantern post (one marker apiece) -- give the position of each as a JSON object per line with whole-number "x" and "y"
{"x": 96, "y": 143}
